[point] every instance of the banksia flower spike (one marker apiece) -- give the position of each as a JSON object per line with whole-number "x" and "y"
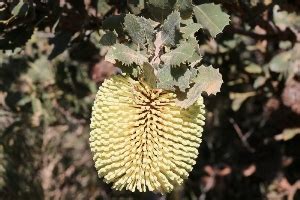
{"x": 140, "y": 139}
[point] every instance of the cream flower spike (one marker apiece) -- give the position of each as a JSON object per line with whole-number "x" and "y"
{"x": 140, "y": 139}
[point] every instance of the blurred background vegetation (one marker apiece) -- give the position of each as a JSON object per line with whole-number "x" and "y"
{"x": 52, "y": 62}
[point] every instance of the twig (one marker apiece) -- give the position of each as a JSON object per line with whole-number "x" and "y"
{"x": 282, "y": 36}
{"x": 8, "y": 21}
{"x": 293, "y": 190}
{"x": 242, "y": 136}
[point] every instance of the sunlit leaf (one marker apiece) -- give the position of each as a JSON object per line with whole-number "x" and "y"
{"x": 253, "y": 69}
{"x": 190, "y": 29}
{"x": 280, "y": 62}
{"x": 284, "y": 19}
{"x": 211, "y": 17}
{"x": 239, "y": 99}
{"x": 125, "y": 55}
{"x": 20, "y": 9}
{"x": 169, "y": 28}
{"x": 178, "y": 55}
{"x": 288, "y": 134}
{"x": 208, "y": 80}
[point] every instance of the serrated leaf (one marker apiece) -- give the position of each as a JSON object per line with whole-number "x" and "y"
{"x": 185, "y": 8}
{"x": 208, "y": 80}
{"x": 190, "y": 29}
{"x": 108, "y": 39}
{"x": 160, "y": 9}
{"x": 211, "y": 17}
{"x": 167, "y": 34}
{"x": 169, "y": 28}
{"x": 195, "y": 59}
{"x": 136, "y": 6}
{"x": 125, "y": 55}
{"x": 169, "y": 77}
{"x": 160, "y": 3}
{"x": 141, "y": 30}
{"x": 178, "y": 55}
{"x": 114, "y": 22}
{"x": 149, "y": 75}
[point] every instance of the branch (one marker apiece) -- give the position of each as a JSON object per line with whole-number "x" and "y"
{"x": 241, "y": 135}
{"x": 293, "y": 190}
{"x": 281, "y": 35}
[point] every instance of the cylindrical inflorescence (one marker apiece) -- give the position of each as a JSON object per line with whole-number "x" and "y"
{"x": 140, "y": 139}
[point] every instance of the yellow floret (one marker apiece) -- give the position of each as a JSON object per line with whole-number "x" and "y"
{"x": 140, "y": 139}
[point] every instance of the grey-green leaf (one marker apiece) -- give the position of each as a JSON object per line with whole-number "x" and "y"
{"x": 163, "y": 4}
{"x": 169, "y": 28}
{"x": 125, "y": 55}
{"x": 160, "y": 9}
{"x": 169, "y": 77}
{"x": 208, "y": 80}
{"x": 185, "y": 8}
{"x": 114, "y": 22}
{"x": 211, "y": 17}
{"x": 178, "y": 55}
{"x": 108, "y": 39}
{"x": 167, "y": 35}
{"x": 141, "y": 30}
{"x": 280, "y": 62}
{"x": 149, "y": 74}
{"x": 190, "y": 29}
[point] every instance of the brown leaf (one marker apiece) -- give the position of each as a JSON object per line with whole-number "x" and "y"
{"x": 249, "y": 170}
{"x": 291, "y": 95}
{"x": 102, "y": 70}
{"x": 225, "y": 171}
